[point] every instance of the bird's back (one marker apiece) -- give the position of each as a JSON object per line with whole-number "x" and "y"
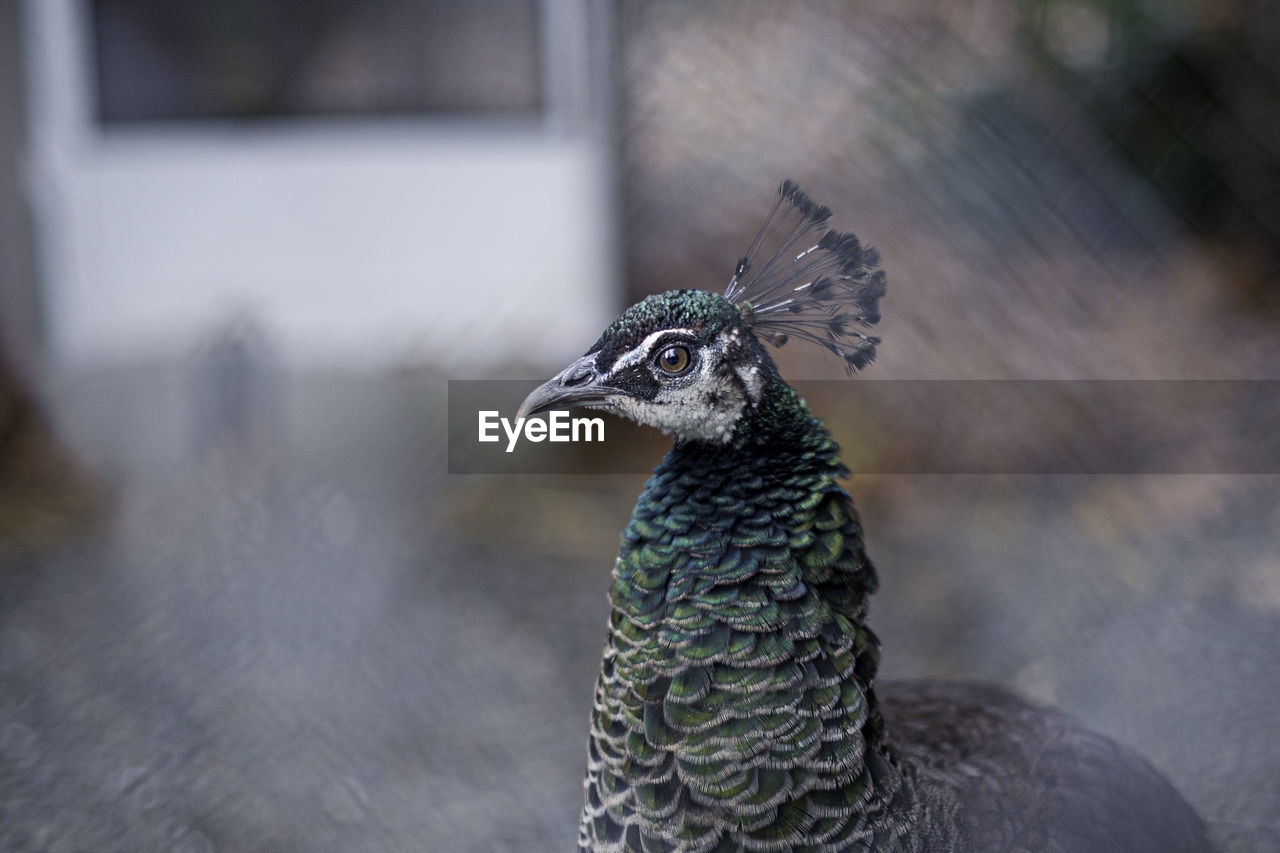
{"x": 1001, "y": 774}
{"x": 737, "y": 707}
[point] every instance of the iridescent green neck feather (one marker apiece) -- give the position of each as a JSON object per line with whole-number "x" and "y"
{"x": 734, "y": 706}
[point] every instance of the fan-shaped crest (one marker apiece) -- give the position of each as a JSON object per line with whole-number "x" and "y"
{"x": 802, "y": 279}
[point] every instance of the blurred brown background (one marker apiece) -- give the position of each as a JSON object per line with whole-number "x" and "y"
{"x": 245, "y": 607}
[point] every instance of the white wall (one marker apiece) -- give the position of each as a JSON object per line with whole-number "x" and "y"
{"x": 371, "y": 242}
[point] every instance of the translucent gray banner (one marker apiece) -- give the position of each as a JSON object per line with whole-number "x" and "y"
{"x": 922, "y": 427}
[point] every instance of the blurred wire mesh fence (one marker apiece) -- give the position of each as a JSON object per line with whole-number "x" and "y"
{"x": 263, "y": 617}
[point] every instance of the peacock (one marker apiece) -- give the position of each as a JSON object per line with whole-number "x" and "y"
{"x": 737, "y": 707}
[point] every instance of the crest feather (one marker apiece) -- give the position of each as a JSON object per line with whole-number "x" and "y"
{"x": 801, "y": 279}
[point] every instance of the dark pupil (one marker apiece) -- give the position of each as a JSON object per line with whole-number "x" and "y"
{"x": 674, "y": 359}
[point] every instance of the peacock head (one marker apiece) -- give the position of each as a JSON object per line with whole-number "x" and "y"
{"x": 691, "y": 362}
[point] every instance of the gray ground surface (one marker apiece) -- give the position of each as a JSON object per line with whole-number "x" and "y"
{"x": 309, "y": 637}
{"x": 293, "y": 630}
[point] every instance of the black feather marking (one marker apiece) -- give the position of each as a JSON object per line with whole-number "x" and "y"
{"x": 813, "y": 283}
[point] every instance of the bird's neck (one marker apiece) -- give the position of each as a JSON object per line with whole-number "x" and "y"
{"x": 738, "y": 647}
{"x": 756, "y": 537}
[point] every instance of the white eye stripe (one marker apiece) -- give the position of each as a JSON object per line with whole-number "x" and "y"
{"x": 644, "y": 350}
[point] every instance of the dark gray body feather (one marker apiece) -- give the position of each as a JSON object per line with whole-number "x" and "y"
{"x": 997, "y": 773}
{"x": 738, "y": 706}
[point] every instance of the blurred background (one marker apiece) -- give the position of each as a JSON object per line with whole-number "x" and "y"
{"x": 244, "y": 246}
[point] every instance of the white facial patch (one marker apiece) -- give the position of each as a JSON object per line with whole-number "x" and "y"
{"x": 748, "y": 371}
{"x": 704, "y": 405}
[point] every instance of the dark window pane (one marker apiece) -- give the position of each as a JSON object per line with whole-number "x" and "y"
{"x": 173, "y": 59}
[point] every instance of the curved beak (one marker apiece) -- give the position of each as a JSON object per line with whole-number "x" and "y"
{"x": 576, "y": 385}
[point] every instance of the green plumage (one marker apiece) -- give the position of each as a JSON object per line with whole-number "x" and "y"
{"x": 735, "y": 708}
{"x": 733, "y": 653}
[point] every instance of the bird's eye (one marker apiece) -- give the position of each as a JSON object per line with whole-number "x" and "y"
{"x": 674, "y": 360}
